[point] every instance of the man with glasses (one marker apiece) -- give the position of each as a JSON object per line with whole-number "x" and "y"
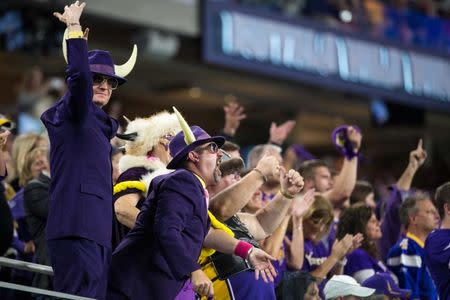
{"x": 80, "y": 203}
{"x": 158, "y": 258}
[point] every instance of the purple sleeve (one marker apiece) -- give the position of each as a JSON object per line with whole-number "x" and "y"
{"x": 175, "y": 209}
{"x": 390, "y": 222}
{"x": 133, "y": 174}
{"x": 79, "y": 79}
{"x": 18, "y": 244}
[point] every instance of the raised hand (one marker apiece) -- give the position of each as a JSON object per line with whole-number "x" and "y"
{"x": 260, "y": 261}
{"x": 291, "y": 182}
{"x": 234, "y": 114}
{"x": 201, "y": 284}
{"x": 278, "y": 134}
{"x": 71, "y": 14}
{"x": 355, "y": 137}
{"x": 418, "y": 156}
{"x": 341, "y": 248}
{"x": 268, "y": 165}
{"x": 302, "y": 205}
{"x": 357, "y": 241}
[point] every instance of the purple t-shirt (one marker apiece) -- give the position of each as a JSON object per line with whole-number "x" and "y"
{"x": 437, "y": 258}
{"x": 360, "y": 265}
{"x": 315, "y": 255}
{"x": 243, "y": 285}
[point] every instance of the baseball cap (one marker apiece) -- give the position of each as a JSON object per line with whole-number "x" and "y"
{"x": 384, "y": 283}
{"x": 343, "y": 285}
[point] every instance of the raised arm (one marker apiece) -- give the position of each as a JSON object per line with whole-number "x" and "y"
{"x": 79, "y": 78}
{"x": 417, "y": 158}
{"x": 390, "y": 221}
{"x": 295, "y": 247}
{"x": 346, "y": 180}
{"x": 266, "y": 220}
{"x": 231, "y": 200}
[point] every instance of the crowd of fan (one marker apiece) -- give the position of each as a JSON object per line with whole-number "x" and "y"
{"x": 344, "y": 230}
{"x": 176, "y": 189}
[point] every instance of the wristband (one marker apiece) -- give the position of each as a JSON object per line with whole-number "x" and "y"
{"x": 78, "y": 34}
{"x": 264, "y": 177}
{"x": 286, "y": 195}
{"x": 243, "y": 249}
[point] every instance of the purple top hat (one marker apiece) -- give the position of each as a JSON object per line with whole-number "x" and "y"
{"x": 384, "y": 283}
{"x": 179, "y": 150}
{"x": 340, "y": 140}
{"x": 101, "y": 62}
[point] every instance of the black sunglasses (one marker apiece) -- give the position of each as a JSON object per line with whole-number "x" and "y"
{"x": 112, "y": 82}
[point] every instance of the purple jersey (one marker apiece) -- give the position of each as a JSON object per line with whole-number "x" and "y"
{"x": 315, "y": 255}
{"x": 437, "y": 258}
{"x": 360, "y": 265}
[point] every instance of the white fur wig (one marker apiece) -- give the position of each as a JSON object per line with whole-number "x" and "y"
{"x": 149, "y": 131}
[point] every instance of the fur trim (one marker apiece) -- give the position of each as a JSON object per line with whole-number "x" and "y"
{"x": 129, "y": 161}
{"x": 147, "y": 179}
{"x": 149, "y": 131}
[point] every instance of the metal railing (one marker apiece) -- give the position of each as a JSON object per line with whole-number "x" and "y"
{"x": 35, "y": 268}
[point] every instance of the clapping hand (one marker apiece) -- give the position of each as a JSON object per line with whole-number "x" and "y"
{"x": 302, "y": 204}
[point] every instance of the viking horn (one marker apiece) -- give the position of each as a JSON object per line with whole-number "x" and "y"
{"x": 189, "y": 137}
{"x": 126, "y": 119}
{"x": 64, "y": 44}
{"x": 120, "y": 70}
{"x": 126, "y": 68}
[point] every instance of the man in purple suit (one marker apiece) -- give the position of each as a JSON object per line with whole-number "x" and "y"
{"x": 158, "y": 258}
{"x": 437, "y": 245}
{"x": 80, "y": 205}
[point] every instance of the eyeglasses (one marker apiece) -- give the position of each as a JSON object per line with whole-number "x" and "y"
{"x": 211, "y": 147}
{"x": 112, "y": 82}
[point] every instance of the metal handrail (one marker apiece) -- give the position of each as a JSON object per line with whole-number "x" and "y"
{"x": 36, "y": 268}
{"x": 33, "y": 290}
{"x": 23, "y": 265}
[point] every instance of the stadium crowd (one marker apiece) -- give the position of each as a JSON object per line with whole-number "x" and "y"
{"x": 164, "y": 210}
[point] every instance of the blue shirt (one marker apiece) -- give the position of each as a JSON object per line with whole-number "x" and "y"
{"x": 406, "y": 260}
{"x": 437, "y": 259}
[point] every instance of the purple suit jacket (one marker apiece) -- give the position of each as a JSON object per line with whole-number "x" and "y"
{"x": 80, "y": 201}
{"x": 159, "y": 253}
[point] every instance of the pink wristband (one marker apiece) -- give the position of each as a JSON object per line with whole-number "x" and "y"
{"x": 242, "y": 249}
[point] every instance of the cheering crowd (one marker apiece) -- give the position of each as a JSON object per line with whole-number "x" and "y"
{"x": 177, "y": 214}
